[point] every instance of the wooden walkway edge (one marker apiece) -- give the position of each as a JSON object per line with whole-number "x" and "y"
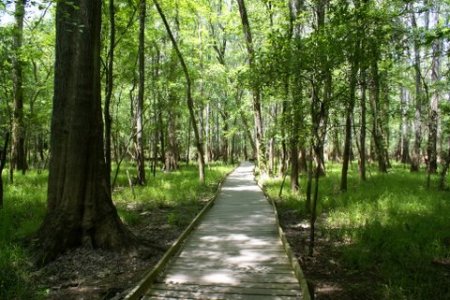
{"x": 235, "y": 252}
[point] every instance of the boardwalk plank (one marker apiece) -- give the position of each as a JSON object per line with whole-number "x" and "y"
{"x": 211, "y": 295}
{"x": 240, "y": 290}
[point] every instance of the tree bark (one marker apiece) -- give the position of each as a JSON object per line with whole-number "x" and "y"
{"x": 363, "y": 128}
{"x": 416, "y": 154}
{"x": 109, "y": 88}
{"x": 377, "y": 127}
{"x": 405, "y": 134}
{"x": 294, "y": 110}
{"x": 260, "y": 146}
{"x": 79, "y": 206}
{"x": 225, "y": 131}
{"x": 3, "y": 152}
{"x": 18, "y": 159}
{"x": 445, "y": 167}
{"x": 296, "y": 125}
{"x": 140, "y": 157}
{"x": 434, "y": 109}
{"x": 190, "y": 101}
{"x": 348, "y": 115}
{"x": 171, "y": 154}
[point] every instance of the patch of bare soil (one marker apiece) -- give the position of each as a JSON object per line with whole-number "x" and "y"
{"x": 324, "y": 271}
{"x": 96, "y": 274}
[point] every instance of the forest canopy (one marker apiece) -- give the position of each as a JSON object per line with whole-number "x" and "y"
{"x": 365, "y": 79}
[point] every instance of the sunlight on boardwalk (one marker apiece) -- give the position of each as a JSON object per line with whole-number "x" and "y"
{"x": 235, "y": 253}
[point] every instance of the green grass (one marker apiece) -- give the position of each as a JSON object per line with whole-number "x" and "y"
{"x": 391, "y": 225}
{"x": 179, "y": 192}
{"x": 24, "y": 209}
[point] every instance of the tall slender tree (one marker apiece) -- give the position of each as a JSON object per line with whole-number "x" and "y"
{"x": 18, "y": 159}
{"x": 3, "y": 152}
{"x": 109, "y": 87}
{"x": 434, "y": 101}
{"x": 354, "y": 58}
{"x": 140, "y": 157}
{"x": 259, "y": 131}
{"x": 189, "y": 99}
{"x": 416, "y": 154}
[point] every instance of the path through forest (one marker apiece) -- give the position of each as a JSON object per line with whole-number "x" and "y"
{"x": 235, "y": 253}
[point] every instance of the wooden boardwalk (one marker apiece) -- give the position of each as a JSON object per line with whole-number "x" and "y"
{"x": 235, "y": 252}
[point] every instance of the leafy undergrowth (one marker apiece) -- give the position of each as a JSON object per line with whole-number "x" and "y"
{"x": 157, "y": 213}
{"x": 386, "y": 238}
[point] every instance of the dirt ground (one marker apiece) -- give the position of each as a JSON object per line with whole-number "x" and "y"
{"x": 96, "y": 274}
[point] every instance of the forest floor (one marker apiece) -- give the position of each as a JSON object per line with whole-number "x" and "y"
{"x": 329, "y": 278}
{"x": 93, "y": 274}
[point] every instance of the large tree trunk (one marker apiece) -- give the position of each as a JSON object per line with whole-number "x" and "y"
{"x": 18, "y": 159}
{"x": 140, "y": 157}
{"x": 260, "y": 146}
{"x": 189, "y": 100}
{"x": 79, "y": 206}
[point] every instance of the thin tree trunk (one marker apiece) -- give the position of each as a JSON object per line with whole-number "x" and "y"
{"x": 348, "y": 116}
{"x": 162, "y": 140}
{"x": 188, "y": 158}
{"x": 315, "y": 200}
{"x": 208, "y": 141}
{"x": 109, "y": 88}
{"x": 405, "y": 128}
{"x": 225, "y": 143}
{"x": 260, "y": 146}
{"x": 416, "y": 154}
{"x": 308, "y": 202}
{"x": 248, "y": 134}
{"x": 445, "y": 167}
{"x": 272, "y": 141}
{"x": 296, "y": 117}
{"x": 18, "y": 158}
{"x": 363, "y": 128}
{"x": 171, "y": 154}
{"x": 3, "y": 152}
{"x": 190, "y": 101}
{"x": 377, "y": 127}
{"x": 140, "y": 157}
{"x": 434, "y": 110}
{"x": 283, "y": 159}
